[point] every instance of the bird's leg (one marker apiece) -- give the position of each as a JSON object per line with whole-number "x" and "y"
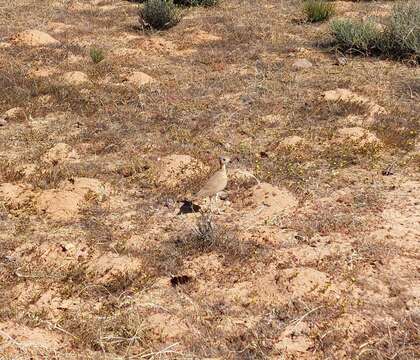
{"x": 217, "y": 200}
{"x": 211, "y": 204}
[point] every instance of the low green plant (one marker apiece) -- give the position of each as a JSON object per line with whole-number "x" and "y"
{"x": 399, "y": 38}
{"x": 318, "y": 10}
{"x": 159, "y": 14}
{"x": 402, "y": 32}
{"x": 96, "y": 55}
{"x": 358, "y": 36}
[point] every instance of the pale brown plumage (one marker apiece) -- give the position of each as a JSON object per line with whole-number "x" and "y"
{"x": 216, "y": 183}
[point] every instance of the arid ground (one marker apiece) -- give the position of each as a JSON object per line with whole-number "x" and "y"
{"x": 313, "y": 253}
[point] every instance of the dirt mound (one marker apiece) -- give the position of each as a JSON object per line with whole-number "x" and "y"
{"x": 292, "y": 141}
{"x": 27, "y": 338}
{"x": 175, "y": 170}
{"x": 16, "y": 196}
{"x": 294, "y": 339}
{"x": 357, "y": 135}
{"x": 34, "y": 38}
{"x": 303, "y": 281}
{"x": 16, "y": 113}
{"x": 75, "y": 78}
{"x": 264, "y": 202}
{"x": 346, "y": 95}
{"x": 64, "y": 204}
{"x": 60, "y": 153}
{"x": 111, "y": 267}
{"x": 139, "y": 79}
{"x": 59, "y": 205}
{"x": 86, "y": 186}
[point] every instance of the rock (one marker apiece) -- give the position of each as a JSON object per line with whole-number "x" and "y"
{"x": 358, "y": 135}
{"x": 176, "y": 169}
{"x": 292, "y": 141}
{"x": 73, "y": 59}
{"x": 139, "y": 79}
{"x": 75, "y": 78}
{"x": 34, "y": 38}
{"x": 341, "y": 61}
{"x": 14, "y": 114}
{"x": 60, "y": 153}
{"x": 302, "y": 64}
{"x": 41, "y": 72}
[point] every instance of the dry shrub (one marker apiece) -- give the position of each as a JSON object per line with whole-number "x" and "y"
{"x": 318, "y": 10}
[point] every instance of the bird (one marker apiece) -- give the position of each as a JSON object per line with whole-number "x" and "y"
{"x": 216, "y": 183}
{"x": 213, "y": 187}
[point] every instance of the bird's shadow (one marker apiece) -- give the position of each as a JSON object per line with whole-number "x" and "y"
{"x": 188, "y": 207}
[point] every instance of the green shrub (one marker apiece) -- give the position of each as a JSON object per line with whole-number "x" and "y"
{"x": 159, "y": 14}
{"x": 318, "y": 10}
{"x": 357, "y": 36}
{"x": 402, "y": 32}
{"x": 96, "y": 55}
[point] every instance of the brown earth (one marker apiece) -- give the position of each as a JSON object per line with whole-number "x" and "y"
{"x": 313, "y": 253}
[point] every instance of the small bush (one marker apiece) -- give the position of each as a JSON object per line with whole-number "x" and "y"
{"x": 402, "y": 33}
{"x": 96, "y": 55}
{"x": 361, "y": 36}
{"x": 400, "y": 37}
{"x": 318, "y": 10}
{"x": 159, "y": 14}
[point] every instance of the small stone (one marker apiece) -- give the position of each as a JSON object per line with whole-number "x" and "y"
{"x": 60, "y": 153}
{"x": 302, "y": 64}
{"x": 75, "y": 78}
{"x": 14, "y": 114}
{"x": 292, "y": 141}
{"x": 341, "y": 61}
{"x": 139, "y": 79}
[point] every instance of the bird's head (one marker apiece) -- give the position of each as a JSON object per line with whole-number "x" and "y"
{"x": 224, "y": 160}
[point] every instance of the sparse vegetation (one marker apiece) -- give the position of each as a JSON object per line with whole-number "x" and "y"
{"x": 159, "y": 14}
{"x": 400, "y": 37}
{"x": 402, "y": 33}
{"x": 318, "y": 10}
{"x": 96, "y": 55}
{"x": 356, "y": 36}
{"x": 312, "y": 252}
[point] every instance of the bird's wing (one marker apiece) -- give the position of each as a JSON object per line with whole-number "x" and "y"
{"x": 216, "y": 183}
